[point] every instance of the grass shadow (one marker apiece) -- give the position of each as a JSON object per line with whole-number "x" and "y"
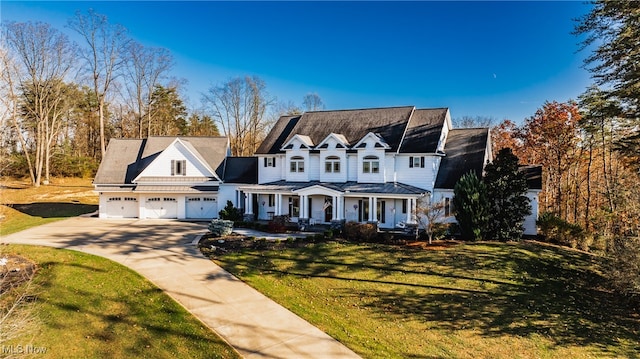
{"x": 54, "y": 209}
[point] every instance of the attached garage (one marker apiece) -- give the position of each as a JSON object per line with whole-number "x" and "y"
{"x": 122, "y": 207}
{"x": 201, "y": 207}
{"x": 161, "y": 207}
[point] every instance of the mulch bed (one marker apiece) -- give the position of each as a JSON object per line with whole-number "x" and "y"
{"x": 15, "y": 270}
{"x": 217, "y": 246}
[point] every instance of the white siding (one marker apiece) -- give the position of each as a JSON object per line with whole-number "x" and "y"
{"x": 418, "y": 176}
{"x": 161, "y": 166}
{"x": 352, "y": 167}
{"x": 530, "y": 227}
{"x": 314, "y": 167}
{"x": 270, "y": 174}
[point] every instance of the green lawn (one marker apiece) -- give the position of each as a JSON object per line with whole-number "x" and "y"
{"x": 23, "y": 206}
{"x": 90, "y": 307}
{"x": 465, "y": 301}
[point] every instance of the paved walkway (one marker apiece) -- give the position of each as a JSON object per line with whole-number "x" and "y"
{"x": 165, "y": 253}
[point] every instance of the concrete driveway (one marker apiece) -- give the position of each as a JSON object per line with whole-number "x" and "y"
{"x": 164, "y": 251}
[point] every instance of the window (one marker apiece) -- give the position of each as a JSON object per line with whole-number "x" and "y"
{"x": 404, "y": 206}
{"x": 416, "y": 162}
{"x": 178, "y": 167}
{"x": 371, "y": 164}
{"x": 269, "y": 161}
{"x": 130, "y": 199}
{"x": 153, "y": 199}
{"x": 272, "y": 200}
{"x": 296, "y": 164}
{"x": 448, "y": 207}
{"x": 332, "y": 164}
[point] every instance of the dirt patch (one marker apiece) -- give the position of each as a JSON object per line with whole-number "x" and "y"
{"x": 15, "y": 270}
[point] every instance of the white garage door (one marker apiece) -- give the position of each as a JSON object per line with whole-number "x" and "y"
{"x": 122, "y": 207}
{"x": 162, "y": 207}
{"x": 202, "y": 207}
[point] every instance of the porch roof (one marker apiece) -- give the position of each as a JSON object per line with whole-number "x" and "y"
{"x": 350, "y": 187}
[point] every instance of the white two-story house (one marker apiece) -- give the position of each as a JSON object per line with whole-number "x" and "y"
{"x": 366, "y": 165}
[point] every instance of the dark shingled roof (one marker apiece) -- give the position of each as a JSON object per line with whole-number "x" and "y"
{"x": 423, "y": 132}
{"x": 125, "y": 159}
{"x": 239, "y": 170}
{"x": 533, "y": 174}
{"x": 390, "y": 123}
{"x": 464, "y": 152}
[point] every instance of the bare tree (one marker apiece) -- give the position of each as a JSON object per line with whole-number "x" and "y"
{"x": 146, "y": 66}
{"x": 312, "y": 102}
{"x": 240, "y": 106}
{"x": 429, "y": 215}
{"x": 103, "y": 56}
{"x": 43, "y": 59}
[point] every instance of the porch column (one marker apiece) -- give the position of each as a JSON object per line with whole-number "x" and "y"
{"x": 278, "y": 204}
{"x": 370, "y": 216}
{"x": 304, "y": 207}
{"x": 339, "y": 207}
{"x": 409, "y": 210}
{"x": 334, "y": 207}
{"x": 374, "y": 209}
{"x": 248, "y": 203}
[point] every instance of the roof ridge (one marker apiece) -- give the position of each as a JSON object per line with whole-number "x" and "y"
{"x": 359, "y": 109}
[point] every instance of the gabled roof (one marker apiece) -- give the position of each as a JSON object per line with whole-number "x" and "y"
{"x": 338, "y": 137}
{"x": 125, "y": 159}
{"x": 423, "y": 131}
{"x": 464, "y": 152}
{"x": 389, "y": 123}
{"x": 239, "y": 170}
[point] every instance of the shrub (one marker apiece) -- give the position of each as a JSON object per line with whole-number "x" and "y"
{"x": 360, "y": 232}
{"x": 623, "y": 267}
{"x": 231, "y": 213}
{"x": 220, "y": 227}
{"x": 557, "y": 230}
{"x": 278, "y": 224}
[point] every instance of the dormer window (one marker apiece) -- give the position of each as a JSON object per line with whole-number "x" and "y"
{"x": 332, "y": 164}
{"x": 297, "y": 164}
{"x": 371, "y": 164}
{"x": 178, "y": 167}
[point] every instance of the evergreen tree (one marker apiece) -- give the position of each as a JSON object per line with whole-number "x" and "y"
{"x": 508, "y": 204}
{"x": 471, "y": 206}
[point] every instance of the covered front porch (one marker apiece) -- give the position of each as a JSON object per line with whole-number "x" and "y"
{"x": 318, "y": 203}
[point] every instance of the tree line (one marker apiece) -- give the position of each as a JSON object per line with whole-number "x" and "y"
{"x": 61, "y": 101}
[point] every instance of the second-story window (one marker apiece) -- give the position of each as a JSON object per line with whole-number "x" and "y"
{"x": 371, "y": 164}
{"x": 332, "y": 164}
{"x": 296, "y": 164}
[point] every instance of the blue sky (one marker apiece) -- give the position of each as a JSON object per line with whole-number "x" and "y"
{"x": 495, "y": 59}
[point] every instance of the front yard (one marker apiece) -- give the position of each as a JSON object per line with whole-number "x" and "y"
{"x": 496, "y": 300}
{"x": 83, "y": 306}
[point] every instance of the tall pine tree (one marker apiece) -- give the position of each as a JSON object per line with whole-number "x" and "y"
{"x": 471, "y": 206}
{"x": 506, "y": 192}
